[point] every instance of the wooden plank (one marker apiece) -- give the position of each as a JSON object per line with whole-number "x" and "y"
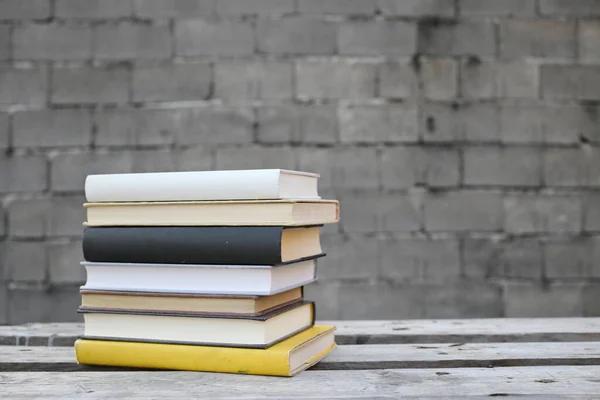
{"x": 352, "y": 357}
{"x": 485, "y": 330}
{"x": 377, "y": 332}
{"x": 577, "y": 381}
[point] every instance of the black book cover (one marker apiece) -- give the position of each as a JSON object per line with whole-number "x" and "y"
{"x": 260, "y": 245}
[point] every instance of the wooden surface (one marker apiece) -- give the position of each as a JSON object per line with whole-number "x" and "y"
{"x": 377, "y": 332}
{"x": 377, "y": 356}
{"x": 418, "y": 359}
{"x": 581, "y": 382}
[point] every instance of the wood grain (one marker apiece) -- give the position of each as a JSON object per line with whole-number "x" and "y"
{"x": 545, "y": 382}
{"x": 353, "y": 357}
{"x": 377, "y": 332}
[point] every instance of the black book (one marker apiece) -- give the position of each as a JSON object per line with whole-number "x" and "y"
{"x": 255, "y": 245}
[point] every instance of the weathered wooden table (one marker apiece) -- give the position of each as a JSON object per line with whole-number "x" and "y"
{"x": 550, "y": 359}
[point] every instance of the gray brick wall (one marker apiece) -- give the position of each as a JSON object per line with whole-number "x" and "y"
{"x": 461, "y": 137}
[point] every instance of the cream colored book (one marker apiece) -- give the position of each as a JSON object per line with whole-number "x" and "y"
{"x": 214, "y": 213}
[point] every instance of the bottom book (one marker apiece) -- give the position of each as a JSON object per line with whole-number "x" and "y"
{"x": 286, "y": 358}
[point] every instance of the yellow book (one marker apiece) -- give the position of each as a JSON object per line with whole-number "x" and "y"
{"x": 287, "y": 358}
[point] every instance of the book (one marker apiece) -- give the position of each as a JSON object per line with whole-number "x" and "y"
{"x": 188, "y": 303}
{"x": 211, "y": 330}
{"x": 254, "y": 245}
{"x": 201, "y": 185}
{"x": 257, "y": 280}
{"x": 286, "y": 358}
{"x": 214, "y": 213}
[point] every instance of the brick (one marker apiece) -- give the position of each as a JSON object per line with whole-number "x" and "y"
{"x": 5, "y": 42}
{"x": 505, "y": 8}
{"x": 420, "y": 260}
{"x": 69, "y": 170}
{"x": 591, "y": 303}
{"x": 536, "y": 123}
{"x": 172, "y": 82}
{"x": 335, "y": 80}
{"x": 24, "y": 9}
{"x": 129, "y": 41}
{"x": 64, "y": 263}
{"x": 568, "y": 259}
{"x": 534, "y": 300}
{"x": 137, "y": 127}
{"x": 52, "y": 42}
{"x": 490, "y": 79}
{"x": 3, "y": 301}
{"x": 255, "y": 158}
{"x": 25, "y": 261}
{"x": 375, "y": 38}
{"x": 570, "y": 167}
{"x": 365, "y": 301}
{"x": 90, "y": 85}
{"x": 502, "y": 166}
{"x": 517, "y": 258}
{"x": 22, "y": 174}
{"x": 324, "y": 293}
{"x": 338, "y": 7}
{"x": 398, "y": 80}
{"x": 249, "y": 80}
{"x": 297, "y": 35}
{"x": 255, "y": 7}
{"x": 4, "y": 130}
{"x": 371, "y": 211}
{"x": 298, "y": 124}
{"x": 60, "y": 216}
{"x": 461, "y": 300}
{"x": 319, "y": 160}
{"x": 541, "y": 38}
{"x": 531, "y": 214}
{"x": 194, "y": 159}
{"x": 354, "y": 168}
{"x": 434, "y": 78}
{"x": 173, "y": 8}
{"x": 166, "y": 160}
{"x": 211, "y": 38}
{"x": 406, "y": 167}
{"x": 348, "y": 258}
{"x": 97, "y": 9}
{"x": 379, "y": 124}
{"x": 570, "y": 81}
{"x": 451, "y": 123}
{"x": 52, "y": 128}
{"x": 586, "y": 8}
{"x": 591, "y": 212}
{"x": 23, "y": 86}
{"x": 589, "y": 46}
{"x": 464, "y": 37}
{"x": 417, "y": 8}
{"x": 216, "y": 125}
{"x": 467, "y": 210}
{"x": 54, "y": 304}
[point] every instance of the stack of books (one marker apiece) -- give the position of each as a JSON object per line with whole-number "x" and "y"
{"x": 203, "y": 271}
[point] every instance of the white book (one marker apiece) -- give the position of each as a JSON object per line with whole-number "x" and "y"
{"x": 258, "y": 280}
{"x": 258, "y": 184}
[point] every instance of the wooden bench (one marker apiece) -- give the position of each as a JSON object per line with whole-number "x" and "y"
{"x": 555, "y": 358}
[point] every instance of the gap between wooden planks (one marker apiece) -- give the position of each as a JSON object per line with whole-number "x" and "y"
{"x": 353, "y": 357}
{"x": 549, "y": 383}
{"x": 487, "y": 330}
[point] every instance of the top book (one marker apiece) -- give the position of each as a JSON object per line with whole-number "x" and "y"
{"x": 257, "y": 184}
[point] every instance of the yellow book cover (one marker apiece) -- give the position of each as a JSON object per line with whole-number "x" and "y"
{"x": 286, "y": 358}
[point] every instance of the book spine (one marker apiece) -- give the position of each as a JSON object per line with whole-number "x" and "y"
{"x": 218, "y": 185}
{"x": 181, "y": 357}
{"x": 183, "y": 245}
